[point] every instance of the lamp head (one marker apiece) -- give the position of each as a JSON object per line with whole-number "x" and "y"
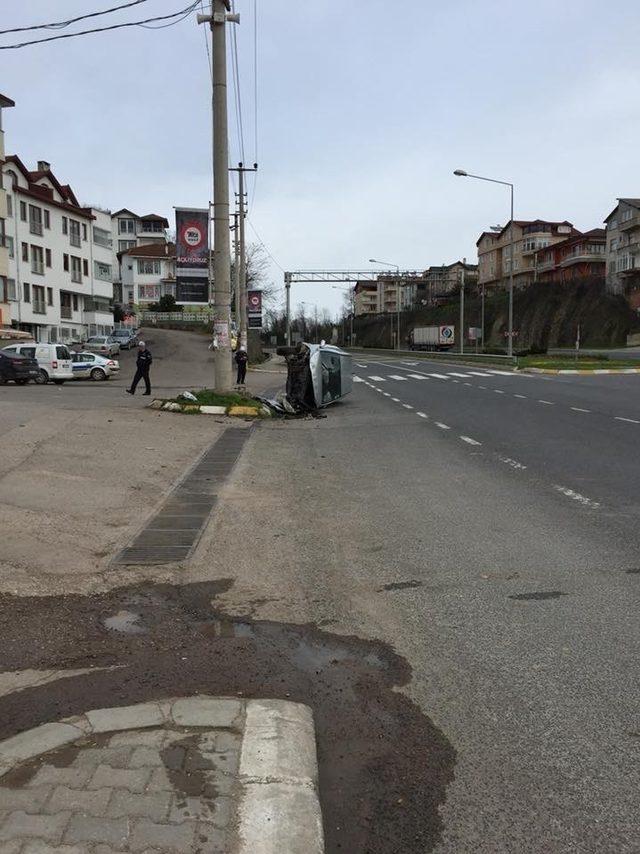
{"x": 460, "y": 172}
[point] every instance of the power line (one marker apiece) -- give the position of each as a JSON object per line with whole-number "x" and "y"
{"x": 62, "y": 24}
{"x": 236, "y": 81}
{"x": 182, "y": 12}
{"x": 264, "y": 245}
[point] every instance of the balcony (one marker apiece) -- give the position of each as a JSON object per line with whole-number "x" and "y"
{"x": 76, "y": 276}
{"x": 65, "y": 312}
{"x": 35, "y": 227}
{"x": 151, "y": 228}
{"x": 628, "y": 224}
{"x": 37, "y": 267}
{"x": 75, "y": 239}
{"x": 581, "y": 257}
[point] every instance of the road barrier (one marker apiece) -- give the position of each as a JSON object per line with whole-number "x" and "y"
{"x": 151, "y": 317}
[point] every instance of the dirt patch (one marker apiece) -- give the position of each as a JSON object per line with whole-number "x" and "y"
{"x": 384, "y": 766}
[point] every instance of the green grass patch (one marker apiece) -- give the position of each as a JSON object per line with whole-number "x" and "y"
{"x": 208, "y": 397}
{"x": 586, "y": 363}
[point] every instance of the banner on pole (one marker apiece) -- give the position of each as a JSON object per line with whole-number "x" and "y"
{"x": 192, "y": 256}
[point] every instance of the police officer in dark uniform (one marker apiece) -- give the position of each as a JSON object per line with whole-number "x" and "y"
{"x": 241, "y": 359}
{"x": 143, "y": 365}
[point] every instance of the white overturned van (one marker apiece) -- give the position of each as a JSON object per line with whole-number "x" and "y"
{"x": 54, "y": 360}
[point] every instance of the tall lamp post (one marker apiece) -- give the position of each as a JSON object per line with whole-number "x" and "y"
{"x": 462, "y": 174}
{"x": 352, "y": 306}
{"x": 389, "y": 264}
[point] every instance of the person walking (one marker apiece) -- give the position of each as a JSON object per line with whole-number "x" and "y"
{"x": 143, "y": 365}
{"x": 241, "y": 361}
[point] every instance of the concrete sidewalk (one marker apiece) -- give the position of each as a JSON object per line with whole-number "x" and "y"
{"x": 199, "y": 774}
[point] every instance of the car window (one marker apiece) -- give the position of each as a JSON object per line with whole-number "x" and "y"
{"x": 10, "y": 349}
{"x": 62, "y": 352}
{"x": 89, "y": 357}
{"x": 28, "y": 351}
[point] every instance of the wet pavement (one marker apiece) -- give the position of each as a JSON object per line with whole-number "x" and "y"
{"x": 384, "y": 766}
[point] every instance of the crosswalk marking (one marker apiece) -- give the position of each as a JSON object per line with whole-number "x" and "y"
{"x": 378, "y": 379}
{"x": 358, "y": 380}
{"x": 409, "y": 363}
{"x": 462, "y": 376}
{"x": 417, "y": 376}
{"x": 396, "y": 377}
{"x": 478, "y": 374}
{"x": 439, "y": 376}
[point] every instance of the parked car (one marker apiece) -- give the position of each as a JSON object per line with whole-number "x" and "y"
{"x": 54, "y": 360}
{"x": 18, "y": 368}
{"x": 126, "y": 338}
{"x": 105, "y": 345}
{"x": 92, "y": 366}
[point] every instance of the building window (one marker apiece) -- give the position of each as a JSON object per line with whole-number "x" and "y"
{"x": 75, "y": 302}
{"x": 102, "y": 237}
{"x": 49, "y": 296}
{"x": 38, "y": 300}
{"x": 102, "y": 271}
{"x": 76, "y": 269}
{"x": 11, "y": 288}
{"x": 37, "y": 261}
{"x": 47, "y": 219}
{"x": 148, "y": 268}
{"x": 84, "y": 231}
{"x": 627, "y": 215}
{"x": 25, "y": 252}
{"x": 64, "y": 225}
{"x": 126, "y": 226}
{"x": 8, "y": 242}
{"x": 65, "y": 262}
{"x": 35, "y": 220}
{"x": 125, "y": 244}
{"x": 85, "y": 267}
{"x": 47, "y": 257}
{"x": 23, "y": 211}
{"x": 74, "y": 233}
{"x": 26, "y": 292}
{"x": 9, "y": 206}
{"x": 613, "y": 223}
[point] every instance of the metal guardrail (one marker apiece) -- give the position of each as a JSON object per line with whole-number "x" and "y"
{"x": 176, "y": 316}
{"x": 448, "y": 356}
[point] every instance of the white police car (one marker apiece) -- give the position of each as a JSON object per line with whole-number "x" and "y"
{"x": 92, "y": 366}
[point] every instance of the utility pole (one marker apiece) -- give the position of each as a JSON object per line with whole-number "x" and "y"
{"x": 287, "y": 287}
{"x": 482, "y": 316}
{"x": 240, "y": 169}
{"x": 236, "y": 268}
{"x": 217, "y": 20}
{"x": 464, "y": 264}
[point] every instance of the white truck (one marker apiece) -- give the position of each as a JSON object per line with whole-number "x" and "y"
{"x": 432, "y": 338}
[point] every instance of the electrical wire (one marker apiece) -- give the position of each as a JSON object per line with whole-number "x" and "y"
{"x": 62, "y": 24}
{"x": 236, "y": 86}
{"x": 264, "y": 246}
{"x": 255, "y": 99}
{"x": 182, "y": 12}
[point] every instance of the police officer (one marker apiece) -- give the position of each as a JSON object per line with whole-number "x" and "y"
{"x": 143, "y": 365}
{"x": 241, "y": 361}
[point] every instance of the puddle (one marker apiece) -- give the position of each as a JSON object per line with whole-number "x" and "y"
{"x": 125, "y": 622}
{"x": 539, "y": 596}
{"x": 376, "y": 747}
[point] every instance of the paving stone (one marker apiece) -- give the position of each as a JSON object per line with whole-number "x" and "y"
{"x": 153, "y": 805}
{"x": 49, "y": 827}
{"x": 49, "y": 775}
{"x": 126, "y": 717}
{"x": 142, "y": 738}
{"x": 227, "y": 763}
{"x": 145, "y": 757}
{"x": 211, "y": 840}
{"x": 10, "y": 847}
{"x": 91, "y": 757}
{"x": 90, "y": 802}
{"x": 218, "y": 811}
{"x": 35, "y": 741}
{"x": 221, "y": 742}
{"x": 29, "y": 800}
{"x": 206, "y": 712}
{"x": 134, "y": 779}
{"x": 83, "y": 828}
{"x": 147, "y": 834}
{"x": 159, "y": 781}
{"x": 36, "y": 846}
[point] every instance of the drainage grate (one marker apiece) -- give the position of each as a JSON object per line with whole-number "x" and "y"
{"x": 173, "y": 533}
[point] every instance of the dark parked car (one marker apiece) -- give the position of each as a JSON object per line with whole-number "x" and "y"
{"x": 18, "y": 368}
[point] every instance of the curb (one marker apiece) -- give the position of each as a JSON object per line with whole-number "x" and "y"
{"x": 279, "y": 807}
{"x": 597, "y": 371}
{"x": 201, "y": 409}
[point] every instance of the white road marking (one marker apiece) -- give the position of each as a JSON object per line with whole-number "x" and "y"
{"x": 498, "y": 391}
{"x": 407, "y": 406}
{"x": 395, "y": 399}
{"x": 396, "y": 377}
{"x": 546, "y": 402}
{"x": 462, "y": 376}
{"x": 478, "y": 374}
{"x": 455, "y": 381}
{"x": 513, "y": 463}
{"x": 502, "y": 373}
{"x": 358, "y": 380}
{"x": 630, "y": 420}
{"x": 422, "y": 414}
{"x": 386, "y": 394}
{"x": 468, "y": 384}
{"x": 469, "y": 440}
{"x": 577, "y": 409}
{"x": 439, "y": 376}
{"x": 360, "y": 366}
{"x": 409, "y": 363}
{"x": 378, "y": 379}
{"x": 442, "y": 426}
{"x": 575, "y": 496}
{"x": 521, "y": 396}
{"x": 417, "y": 376}
{"x": 483, "y": 387}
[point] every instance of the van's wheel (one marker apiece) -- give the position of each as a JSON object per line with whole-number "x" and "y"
{"x": 98, "y": 374}
{"x": 59, "y": 382}
{"x": 42, "y": 377}
{"x": 21, "y": 382}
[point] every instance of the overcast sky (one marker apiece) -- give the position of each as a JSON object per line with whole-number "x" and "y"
{"x": 364, "y": 110}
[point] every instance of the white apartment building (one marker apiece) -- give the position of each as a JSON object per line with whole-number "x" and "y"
{"x": 147, "y": 273}
{"x": 129, "y": 231}
{"x": 60, "y": 257}
{"x": 5, "y": 305}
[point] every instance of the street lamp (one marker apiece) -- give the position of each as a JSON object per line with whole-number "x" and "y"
{"x": 389, "y": 264}
{"x": 352, "y": 302}
{"x": 462, "y": 174}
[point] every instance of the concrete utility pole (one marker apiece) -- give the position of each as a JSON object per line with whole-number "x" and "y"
{"x": 222, "y": 279}
{"x": 464, "y": 264}
{"x": 240, "y": 169}
{"x": 287, "y": 286}
{"x": 236, "y": 268}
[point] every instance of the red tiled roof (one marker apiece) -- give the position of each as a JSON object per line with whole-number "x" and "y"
{"x": 151, "y": 250}
{"x": 157, "y": 218}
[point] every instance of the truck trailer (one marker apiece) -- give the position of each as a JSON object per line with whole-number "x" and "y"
{"x": 432, "y": 338}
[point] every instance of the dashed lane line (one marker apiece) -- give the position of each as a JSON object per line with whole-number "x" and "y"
{"x": 498, "y": 391}
{"x": 469, "y": 440}
{"x": 462, "y": 376}
{"x": 360, "y": 366}
{"x": 576, "y": 496}
{"x": 439, "y": 376}
{"x": 442, "y": 426}
{"x": 422, "y": 414}
{"x": 578, "y": 409}
{"x": 358, "y": 380}
{"x": 629, "y": 420}
{"x": 521, "y": 396}
{"x": 478, "y": 374}
{"x": 386, "y": 394}
{"x": 407, "y": 406}
{"x": 397, "y": 377}
{"x": 513, "y": 463}
{"x": 395, "y": 399}
{"x": 378, "y": 379}
{"x": 546, "y": 402}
